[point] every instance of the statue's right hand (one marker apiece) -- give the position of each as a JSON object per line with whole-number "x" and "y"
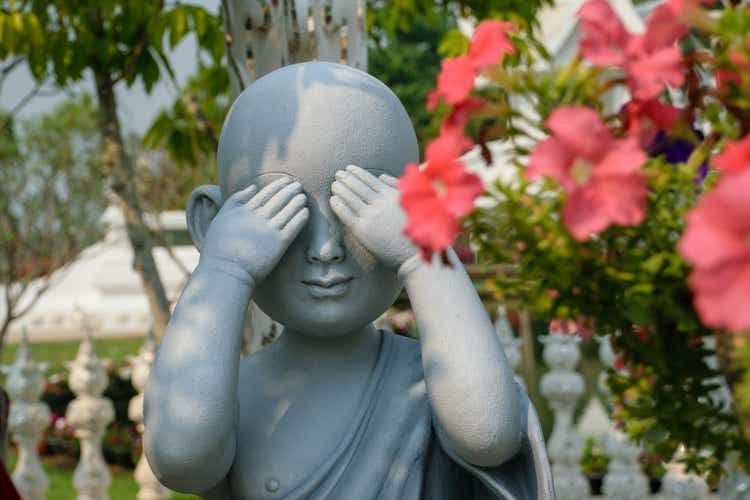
{"x": 254, "y": 228}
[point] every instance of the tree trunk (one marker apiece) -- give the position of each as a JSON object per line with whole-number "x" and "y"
{"x": 122, "y": 177}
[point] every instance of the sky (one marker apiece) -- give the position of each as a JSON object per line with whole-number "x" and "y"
{"x": 137, "y": 109}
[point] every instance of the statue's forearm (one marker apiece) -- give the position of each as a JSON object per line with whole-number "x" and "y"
{"x": 469, "y": 381}
{"x": 191, "y": 398}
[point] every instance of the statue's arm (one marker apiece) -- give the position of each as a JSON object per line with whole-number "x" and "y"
{"x": 191, "y": 406}
{"x": 469, "y": 381}
{"x": 191, "y": 399}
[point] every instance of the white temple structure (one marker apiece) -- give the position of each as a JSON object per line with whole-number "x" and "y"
{"x": 103, "y": 284}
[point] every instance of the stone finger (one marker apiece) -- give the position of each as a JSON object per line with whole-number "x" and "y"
{"x": 342, "y": 211}
{"x": 294, "y": 226}
{"x": 267, "y": 192}
{"x": 373, "y": 182}
{"x": 348, "y": 196}
{"x": 286, "y": 214}
{"x": 244, "y": 195}
{"x": 389, "y": 180}
{"x": 365, "y": 192}
{"x": 279, "y": 200}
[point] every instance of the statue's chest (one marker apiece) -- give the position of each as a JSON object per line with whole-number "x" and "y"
{"x": 284, "y": 439}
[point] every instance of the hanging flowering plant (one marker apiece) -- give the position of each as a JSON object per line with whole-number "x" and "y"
{"x": 629, "y": 215}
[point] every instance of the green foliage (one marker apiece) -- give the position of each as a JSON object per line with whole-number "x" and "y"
{"x": 51, "y": 197}
{"x": 385, "y": 18}
{"x": 629, "y": 282}
{"x": 409, "y": 64}
{"x": 594, "y": 461}
{"x": 125, "y": 40}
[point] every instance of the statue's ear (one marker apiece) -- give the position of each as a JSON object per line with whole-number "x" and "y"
{"x": 202, "y": 206}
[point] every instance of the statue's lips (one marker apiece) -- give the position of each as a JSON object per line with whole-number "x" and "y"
{"x": 329, "y": 287}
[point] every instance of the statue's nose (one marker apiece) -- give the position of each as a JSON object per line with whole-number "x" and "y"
{"x": 326, "y": 245}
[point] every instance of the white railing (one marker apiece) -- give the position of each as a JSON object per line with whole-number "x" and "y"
{"x": 562, "y": 386}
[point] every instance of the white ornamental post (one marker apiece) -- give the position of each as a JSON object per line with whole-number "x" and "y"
{"x": 27, "y": 420}
{"x": 679, "y": 485}
{"x": 624, "y": 479}
{"x": 511, "y": 344}
{"x": 149, "y": 487}
{"x": 90, "y": 414}
{"x": 262, "y": 36}
{"x": 562, "y": 386}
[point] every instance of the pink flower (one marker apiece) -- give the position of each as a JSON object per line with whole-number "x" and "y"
{"x": 650, "y": 60}
{"x": 436, "y": 195}
{"x": 716, "y": 242}
{"x": 490, "y": 43}
{"x": 455, "y": 81}
{"x": 605, "y": 36}
{"x": 601, "y": 174}
{"x": 488, "y": 46}
{"x": 644, "y": 119}
{"x": 581, "y": 326}
{"x": 735, "y": 157}
{"x": 459, "y": 116}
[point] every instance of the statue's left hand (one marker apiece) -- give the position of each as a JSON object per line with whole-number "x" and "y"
{"x": 369, "y": 207}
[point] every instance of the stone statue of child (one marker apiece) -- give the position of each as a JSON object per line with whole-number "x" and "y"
{"x": 334, "y": 409}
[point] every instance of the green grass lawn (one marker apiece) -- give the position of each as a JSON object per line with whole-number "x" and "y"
{"x": 60, "y": 474}
{"x": 59, "y": 353}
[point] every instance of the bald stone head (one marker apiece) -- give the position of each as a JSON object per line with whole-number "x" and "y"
{"x": 309, "y": 120}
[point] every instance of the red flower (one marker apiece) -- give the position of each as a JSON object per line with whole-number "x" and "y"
{"x": 716, "y": 242}
{"x": 644, "y": 119}
{"x": 490, "y": 43}
{"x": 460, "y": 114}
{"x": 435, "y": 195}
{"x": 601, "y": 174}
{"x": 735, "y": 157}
{"x": 455, "y": 81}
{"x": 581, "y": 326}
{"x": 650, "y": 60}
{"x": 488, "y": 46}
{"x": 642, "y": 333}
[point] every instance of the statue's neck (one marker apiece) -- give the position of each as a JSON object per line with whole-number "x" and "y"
{"x": 358, "y": 347}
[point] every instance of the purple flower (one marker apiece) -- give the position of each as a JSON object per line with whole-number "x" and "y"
{"x": 677, "y": 150}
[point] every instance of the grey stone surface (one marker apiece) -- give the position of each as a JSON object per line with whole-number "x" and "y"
{"x": 334, "y": 409}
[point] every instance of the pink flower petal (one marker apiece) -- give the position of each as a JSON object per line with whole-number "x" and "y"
{"x": 490, "y": 43}
{"x": 735, "y": 157}
{"x": 649, "y": 72}
{"x": 645, "y": 118}
{"x": 551, "y": 158}
{"x": 581, "y": 130}
{"x": 456, "y": 79}
{"x": 721, "y": 296}
{"x": 624, "y": 157}
{"x": 664, "y": 27}
{"x": 605, "y": 35}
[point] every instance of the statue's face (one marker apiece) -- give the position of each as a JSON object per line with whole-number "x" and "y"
{"x": 327, "y": 283}
{"x": 308, "y": 121}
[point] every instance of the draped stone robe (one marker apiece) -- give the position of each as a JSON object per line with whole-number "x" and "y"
{"x": 394, "y": 449}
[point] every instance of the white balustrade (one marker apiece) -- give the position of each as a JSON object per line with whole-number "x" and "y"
{"x": 27, "y": 420}
{"x": 149, "y": 487}
{"x": 90, "y": 414}
{"x": 511, "y": 344}
{"x": 562, "y": 386}
{"x": 677, "y": 484}
{"x": 624, "y": 479}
